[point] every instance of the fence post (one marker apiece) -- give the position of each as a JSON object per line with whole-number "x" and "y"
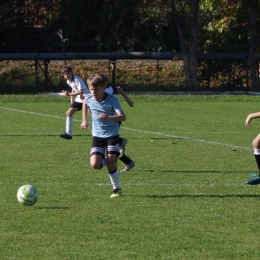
{"x": 36, "y": 75}
{"x": 46, "y": 73}
{"x": 113, "y": 62}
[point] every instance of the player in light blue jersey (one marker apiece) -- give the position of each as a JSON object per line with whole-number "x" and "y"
{"x": 106, "y": 112}
{"x": 256, "y": 145}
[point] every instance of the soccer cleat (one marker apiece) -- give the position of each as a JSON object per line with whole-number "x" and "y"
{"x": 116, "y": 193}
{"x": 129, "y": 166}
{"x": 255, "y": 180}
{"x": 254, "y": 175}
{"x": 122, "y": 147}
{"x": 66, "y": 136}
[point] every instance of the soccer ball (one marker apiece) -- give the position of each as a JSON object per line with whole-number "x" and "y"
{"x": 27, "y": 195}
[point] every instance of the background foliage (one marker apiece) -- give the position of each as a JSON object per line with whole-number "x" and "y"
{"x": 125, "y": 25}
{"x": 228, "y": 27}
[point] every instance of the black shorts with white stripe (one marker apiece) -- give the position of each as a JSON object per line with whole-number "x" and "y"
{"x": 109, "y": 144}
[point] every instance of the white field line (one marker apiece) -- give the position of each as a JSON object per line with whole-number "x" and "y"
{"x": 140, "y": 131}
{"x": 187, "y": 138}
{"x": 132, "y": 184}
{"x": 31, "y": 113}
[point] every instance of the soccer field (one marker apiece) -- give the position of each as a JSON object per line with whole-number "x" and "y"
{"x": 186, "y": 198}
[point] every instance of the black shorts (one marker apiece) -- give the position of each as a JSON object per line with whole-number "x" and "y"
{"x": 76, "y": 105}
{"x": 109, "y": 145}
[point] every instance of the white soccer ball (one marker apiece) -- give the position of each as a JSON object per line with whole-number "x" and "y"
{"x": 27, "y": 195}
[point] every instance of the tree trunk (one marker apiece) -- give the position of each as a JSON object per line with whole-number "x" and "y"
{"x": 193, "y": 44}
{"x": 183, "y": 47}
{"x": 252, "y": 44}
{"x": 189, "y": 59}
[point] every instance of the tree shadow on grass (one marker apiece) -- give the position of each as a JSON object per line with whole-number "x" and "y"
{"x": 204, "y": 196}
{"x": 37, "y": 135}
{"x": 54, "y": 207}
{"x": 192, "y": 171}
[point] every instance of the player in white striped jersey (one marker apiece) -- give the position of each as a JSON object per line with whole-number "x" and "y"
{"x": 129, "y": 163}
{"x": 78, "y": 91}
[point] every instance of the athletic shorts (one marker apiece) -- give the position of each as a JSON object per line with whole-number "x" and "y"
{"x": 76, "y": 105}
{"x": 109, "y": 145}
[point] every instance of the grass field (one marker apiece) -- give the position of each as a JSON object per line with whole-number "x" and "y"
{"x": 185, "y": 199}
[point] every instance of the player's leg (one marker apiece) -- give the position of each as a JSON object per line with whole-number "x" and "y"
{"x": 96, "y": 161}
{"x": 129, "y": 163}
{"x": 75, "y": 106}
{"x": 69, "y": 114}
{"x": 256, "y": 146}
{"x": 112, "y": 154}
{"x": 97, "y": 154}
{"x": 122, "y": 144}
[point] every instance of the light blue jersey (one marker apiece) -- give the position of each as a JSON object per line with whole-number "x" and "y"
{"x": 103, "y": 128}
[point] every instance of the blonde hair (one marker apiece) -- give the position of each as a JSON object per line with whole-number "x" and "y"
{"x": 98, "y": 80}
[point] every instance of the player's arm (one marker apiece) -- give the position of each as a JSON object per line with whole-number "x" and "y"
{"x": 250, "y": 117}
{"x": 124, "y": 95}
{"x": 119, "y": 117}
{"x": 72, "y": 97}
{"x": 72, "y": 93}
{"x": 84, "y": 124}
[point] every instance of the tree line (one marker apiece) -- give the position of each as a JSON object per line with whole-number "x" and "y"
{"x": 181, "y": 26}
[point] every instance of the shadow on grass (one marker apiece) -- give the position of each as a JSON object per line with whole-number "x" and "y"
{"x": 192, "y": 171}
{"x": 204, "y": 196}
{"x": 36, "y": 135}
{"x": 54, "y": 207}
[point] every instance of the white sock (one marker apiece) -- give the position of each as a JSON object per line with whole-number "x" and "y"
{"x": 69, "y": 125}
{"x": 257, "y": 151}
{"x": 115, "y": 180}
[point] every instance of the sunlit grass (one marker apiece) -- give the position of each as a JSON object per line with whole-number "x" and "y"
{"x": 185, "y": 199}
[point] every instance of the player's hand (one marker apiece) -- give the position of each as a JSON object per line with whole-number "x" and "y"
{"x": 248, "y": 120}
{"x": 84, "y": 125}
{"x": 65, "y": 93}
{"x": 102, "y": 116}
{"x": 130, "y": 103}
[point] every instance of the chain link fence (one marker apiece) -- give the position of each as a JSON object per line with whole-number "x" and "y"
{"x": 134, "y": 75}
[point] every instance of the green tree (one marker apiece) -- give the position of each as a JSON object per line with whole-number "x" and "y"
{"x": 25, "y": 21}
{"x": 125, "y": 25}
{"x": 231, "y": 26}
{"x": 189, "y": 57}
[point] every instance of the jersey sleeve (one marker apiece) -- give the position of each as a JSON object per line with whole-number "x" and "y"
{"x": 116, "y": 104}
{"x": 111, "y": 90}
{"x": 78, "y": 83}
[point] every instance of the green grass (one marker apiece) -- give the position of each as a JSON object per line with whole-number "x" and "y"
{"x": 185, "y": 199}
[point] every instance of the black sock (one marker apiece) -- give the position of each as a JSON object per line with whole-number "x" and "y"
{"x": 125, "y": 159}
{"x": 257, "y": 158}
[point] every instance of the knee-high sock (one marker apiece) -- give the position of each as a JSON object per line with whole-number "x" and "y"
{"x": 125, "y": 159}
{"x": 257, "y": 158}
{"x": 69, "y": 125}
{"x": 114, "y": 179}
